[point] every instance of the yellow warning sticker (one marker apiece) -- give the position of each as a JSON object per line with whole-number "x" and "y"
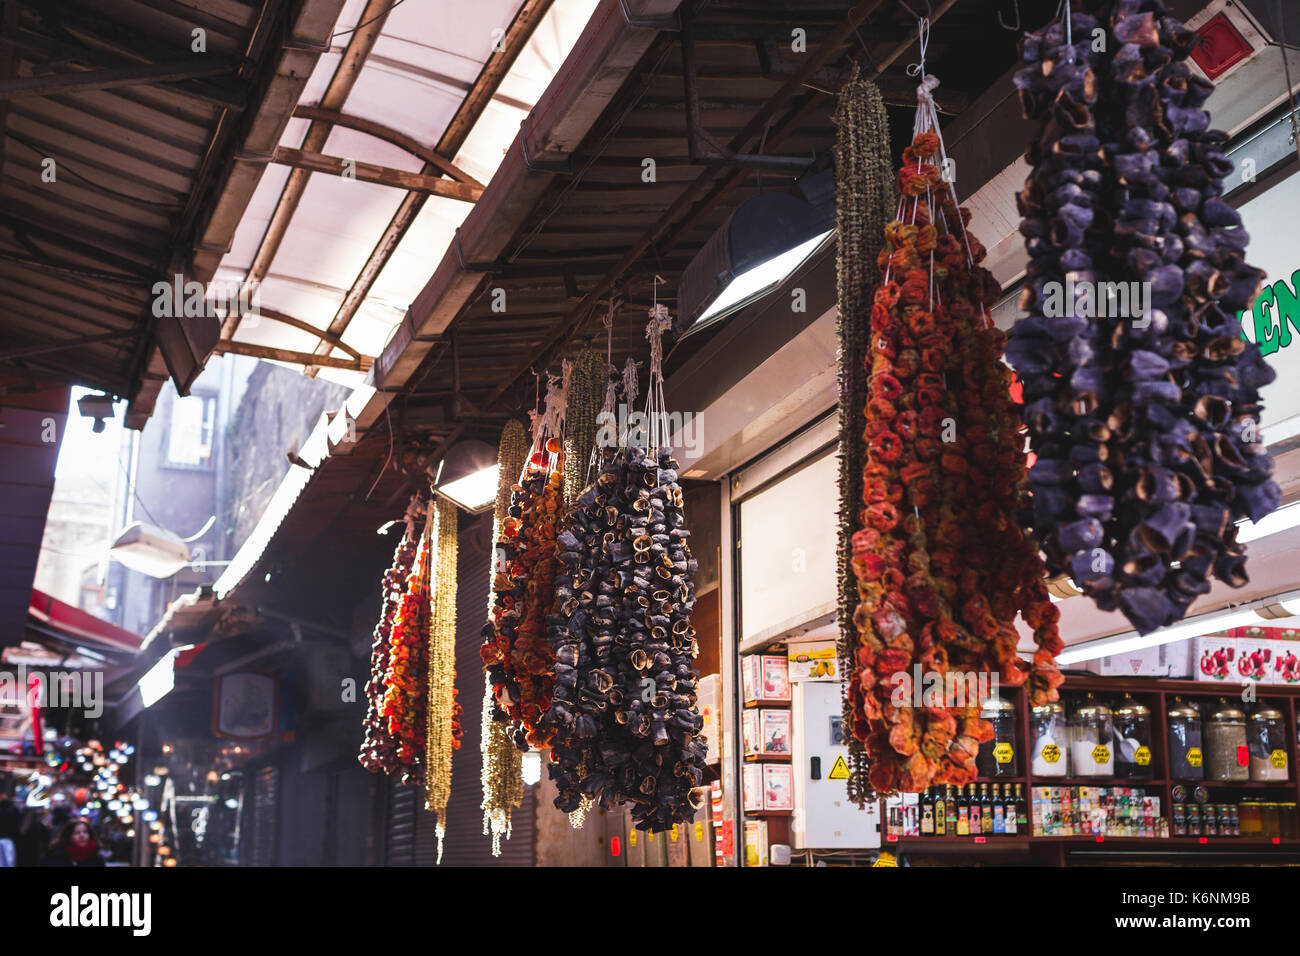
{"x": 1278, "y": 759}
{"x": 841, "y": 770}
{"x": 886, "y": 859}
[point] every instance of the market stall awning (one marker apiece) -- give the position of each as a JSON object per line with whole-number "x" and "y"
{"x": 52, "y": 619}
{"x": 119, "y": 123}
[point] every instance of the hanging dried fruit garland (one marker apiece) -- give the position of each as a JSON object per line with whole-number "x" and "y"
{"x": 516, "y": 651}
{"x": 502, "y": 774}
{"x": 378, "y": 748}
{"x": 405, "y": 703}
{"x": 942, "y": 568}
{"x": 625, "y": 709}
{"x": 864, "y": 203}
{"x": 1145, "y": 424}
{"x": 443, "y": 721}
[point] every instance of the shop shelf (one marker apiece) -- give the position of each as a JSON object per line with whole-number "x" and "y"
{"x": 1234, "y": 785}
{"x": 1149, "y": 784}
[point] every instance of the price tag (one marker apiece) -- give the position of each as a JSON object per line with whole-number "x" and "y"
{"x": 1051, "y": 753}
{"x": 1278, "y": 759}
{"x": 1101, "y": 754}
{"x": 1142, "y": 756}
{"x": 1193, "y": 756}
{"x": 1243, "y": 757}
{"x": 631, "y": 838}
{"x": 980, "y": 839}
{"x": 699, "y": 832}
{"x": 674, "y": 833}
{"x": 1003, "y": 753}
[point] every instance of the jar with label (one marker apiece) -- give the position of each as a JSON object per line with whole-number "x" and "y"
{"x": 1272, "y": 822}
{"x": 1225, "y": 733}
{"x": 1092, "y": 740}
{"x": 1250, "y": 818}
{"x": 1266, "y": 735}
{"x": 1050, "y": 745}
{"x": 1133, "y": 740}
{"x": 1289, "y": 822}
{"x": 1186, "y": 758}
{"x": 997, "y": 757}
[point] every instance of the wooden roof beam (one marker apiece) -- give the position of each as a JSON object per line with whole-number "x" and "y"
{"x": 371, "y": 173}
{"x": 389, "y": 135}
{"x": 81, "y": 80}
{"x": 361, "y": 364}
{"x": 453, "y": 138}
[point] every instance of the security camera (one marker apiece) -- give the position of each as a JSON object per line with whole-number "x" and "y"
{"x": 98, "y": 407}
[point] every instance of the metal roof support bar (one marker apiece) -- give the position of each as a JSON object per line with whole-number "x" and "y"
{"x": 107, "y": 79}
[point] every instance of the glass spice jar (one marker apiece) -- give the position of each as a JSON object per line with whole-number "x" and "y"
{"x": 1048, "y": 756}
{"x": 1266, "y": 735}
{"x": 1290, "y": 825}
{"x": 1186, "y": 758}
{"x": 1271, "y": 821}
{"x": 1250, "y": 818}
{"x": 1225, "y": 733}
{"x": 998, "y": 757}
{"x": 1092, "y": 740}
{"x": 1133, "y": 740}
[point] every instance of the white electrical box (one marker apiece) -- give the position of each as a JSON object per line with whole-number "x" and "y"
{"x": 824, "y": 817}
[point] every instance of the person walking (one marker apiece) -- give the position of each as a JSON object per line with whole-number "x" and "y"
{"x": 11, "y": 821}
{"x": 76, "y": 846}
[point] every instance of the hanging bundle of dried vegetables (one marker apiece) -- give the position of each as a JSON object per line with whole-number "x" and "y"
{"x": 1143, "y": 410}
{"x": 585, "y": 395}
{"x": 516, "y": 653}
{"x": 378, "y": 749}
{"x": 625, "y": 712}
{"x": 864, "y": 203}
{"x": 942, "y": 568}
{"x": 405, "y": 704}
{"x": 502, "y": 774}
{"x": 443, "y": 714}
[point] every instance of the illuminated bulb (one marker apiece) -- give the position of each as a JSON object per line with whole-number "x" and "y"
{"x": 170, "y": 861}
{"x": 155, "y": 838}
{"x": 152, "y": 780}
{"x": 232, "y": 803}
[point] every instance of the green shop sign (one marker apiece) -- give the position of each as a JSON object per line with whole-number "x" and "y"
{"x": 1275, "y": 312}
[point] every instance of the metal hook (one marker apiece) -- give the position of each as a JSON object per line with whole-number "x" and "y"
{"x": 923, "y": 41}
{"x": 1006, "y": 26}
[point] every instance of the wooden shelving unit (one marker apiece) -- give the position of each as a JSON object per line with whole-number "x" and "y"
{"x": 1156, "y": 694}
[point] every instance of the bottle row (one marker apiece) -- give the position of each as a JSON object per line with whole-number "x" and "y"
{"x": 973, "y": 810}
{"x": 1097, "y": 811}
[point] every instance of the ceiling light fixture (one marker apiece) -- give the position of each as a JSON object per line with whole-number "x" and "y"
{"x": 761, "y": 244}
{"x": 467, "y": 476}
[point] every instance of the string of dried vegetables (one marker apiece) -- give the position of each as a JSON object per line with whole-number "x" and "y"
{"x": 585, "y": 396}
{"x": 443, "y": 716}
{"x": 625, "y": 711}
{"x": 516, "y": 652}
{"x": 502, "y": 773}
{"x": 1145, "y": 420}
{"x": 378, "y": 748}
{"x": 864, "y": 203}
{"x": 405, "y": 703}
{"x": 942, "y": 569}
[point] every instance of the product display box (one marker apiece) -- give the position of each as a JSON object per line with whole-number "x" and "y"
{"x": 752, "y": 786}
{"x": 812, "y": 660}
{"x": 755, "y": 834}
{"x": 774, "y": 732}
{"x": 1254, "y": 661}
{"x": 710, "y": 695}
{"x": 1214, "y": 659}
{"x": 778, "y": 786}
{"x": 750, "y": 733}
{"x": 1172, "y": 661}
{"x": 765, "y": 679}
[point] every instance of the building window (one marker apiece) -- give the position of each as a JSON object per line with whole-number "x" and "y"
{"x": 189, "y": 440}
